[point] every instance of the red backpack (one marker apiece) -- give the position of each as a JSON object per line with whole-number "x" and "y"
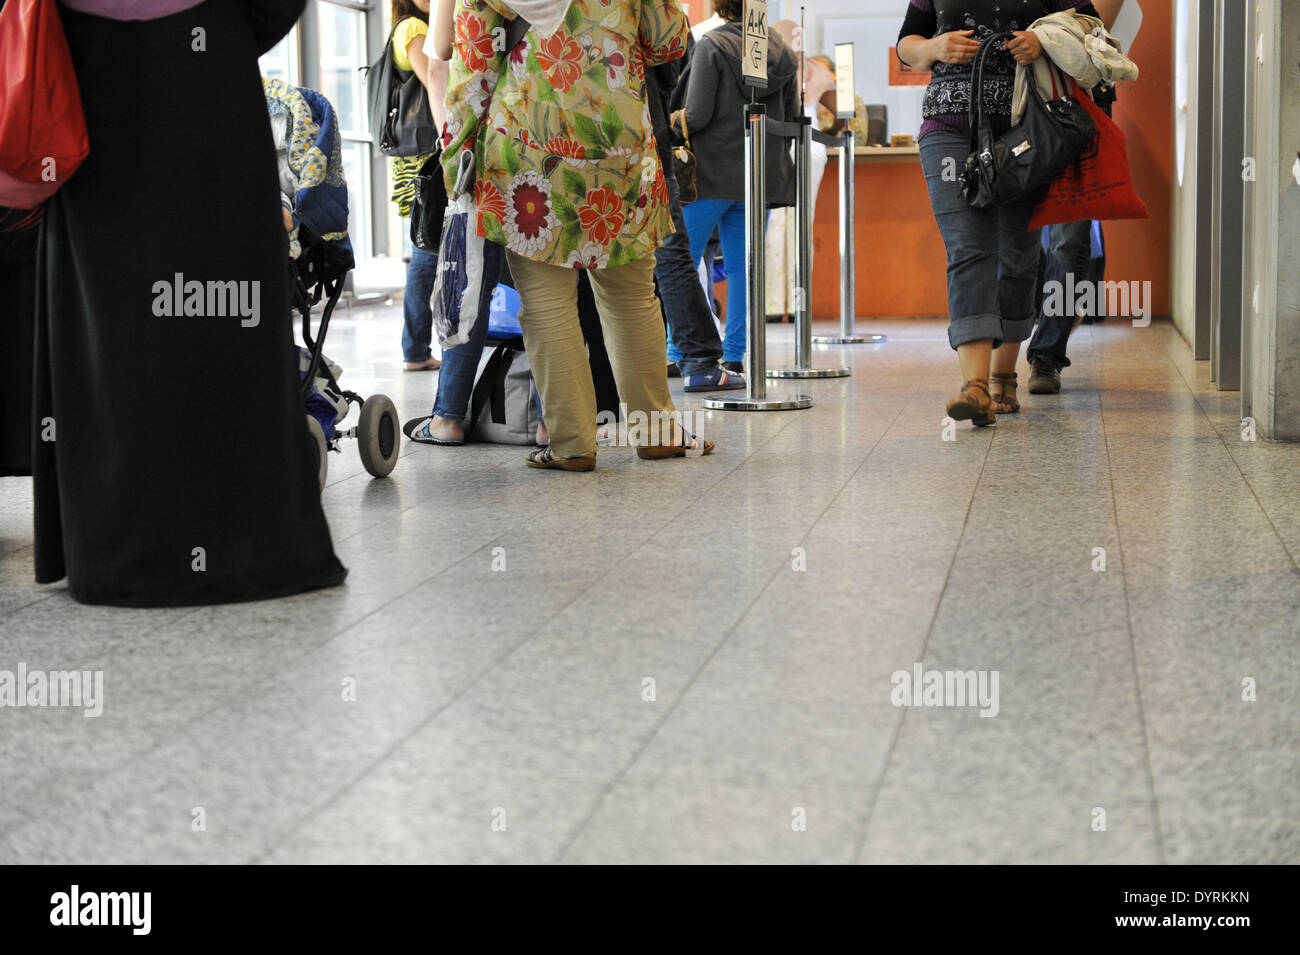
{"x": 42, "y": 128}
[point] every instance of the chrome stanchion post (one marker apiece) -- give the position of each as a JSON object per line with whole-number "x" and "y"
{"x": 848, "y": 276}
{"x": 803, "y": 212}
{"x": 755, "y": 251}
{"x": 756, "y": 397}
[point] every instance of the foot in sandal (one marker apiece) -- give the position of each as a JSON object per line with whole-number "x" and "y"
{"x": 545, "y": 458}
{"x": 686, "y": 446}
{"x": 973, "y": 404}
{"x": 429, "y": 364}
{"x": 1004, "y": 393}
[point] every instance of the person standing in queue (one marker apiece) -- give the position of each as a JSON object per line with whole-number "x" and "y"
{"x": 569, "y": 177}
{"x": 163, "y": 261}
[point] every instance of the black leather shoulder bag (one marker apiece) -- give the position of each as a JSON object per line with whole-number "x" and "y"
{"x": 1027, "y": 157}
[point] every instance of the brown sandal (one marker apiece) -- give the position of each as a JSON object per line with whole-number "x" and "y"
{"x": 1005, "y": 403}
{"x": 544, "y": 458}
{"x": 973, "y": 404}
{"x": 695, "y": 449}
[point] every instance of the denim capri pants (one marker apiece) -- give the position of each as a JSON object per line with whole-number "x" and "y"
{"x": 992, "y": 256}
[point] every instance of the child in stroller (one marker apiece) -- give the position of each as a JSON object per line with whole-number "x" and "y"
{"x": 315, "y": 201}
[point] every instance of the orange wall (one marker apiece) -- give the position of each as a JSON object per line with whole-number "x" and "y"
{"x": 697, "y": 10}
{"x": 899, "y": 253}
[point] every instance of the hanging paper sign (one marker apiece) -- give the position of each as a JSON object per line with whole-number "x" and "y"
{"x": 845, "y": 108}
{"x": 753, "y": 61}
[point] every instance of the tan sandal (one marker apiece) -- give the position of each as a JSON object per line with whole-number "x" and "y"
{"x": 544, "y": 458}
{"x": 973, "y": 404}
{"x": 1003, "y": 402}
{"x": 682, "y": 450}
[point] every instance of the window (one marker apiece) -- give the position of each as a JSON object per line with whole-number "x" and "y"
{"x": 356, "y": 171}
{"x": 281, "y": 61}
{"x": 342, "y": 51}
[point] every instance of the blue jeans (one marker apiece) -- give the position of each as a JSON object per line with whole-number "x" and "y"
{"x": 700, "y": 217}
{"x": 693, "y": 340}
{"x": 417, "y": 316}
{"x": 460, "y": 363}
{"x": 992, "y": 257}
{"x": 1069, "y": 251}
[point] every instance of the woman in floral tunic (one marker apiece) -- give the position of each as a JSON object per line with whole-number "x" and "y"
{"x": 568, "y": 177}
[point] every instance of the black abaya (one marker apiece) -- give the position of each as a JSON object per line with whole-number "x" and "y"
{"x": 181, "y": 471}
{"x": 18, "y": 233}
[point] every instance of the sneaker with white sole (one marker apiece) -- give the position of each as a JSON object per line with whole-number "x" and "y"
{"x": 715, "y": 379}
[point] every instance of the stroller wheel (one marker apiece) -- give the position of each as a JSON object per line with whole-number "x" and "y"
{"x": 321, "y": 447}
{"x": 379, "y": 436}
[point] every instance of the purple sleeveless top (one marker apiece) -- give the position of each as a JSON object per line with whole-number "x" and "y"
{"x": 130, "y": 9}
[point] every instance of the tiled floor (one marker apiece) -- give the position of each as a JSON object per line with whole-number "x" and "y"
{"x": 509, "y": 715}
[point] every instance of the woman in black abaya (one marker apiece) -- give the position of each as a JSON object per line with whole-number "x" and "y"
{"x": 181, "y": 470}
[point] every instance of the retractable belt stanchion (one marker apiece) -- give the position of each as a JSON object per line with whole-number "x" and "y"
{"x": 803, "y": 211}
{"x": 756, "y": 397}
{"x": 847, "y": 273}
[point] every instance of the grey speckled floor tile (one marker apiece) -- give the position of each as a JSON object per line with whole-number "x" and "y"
{"x": 695, "y": 661}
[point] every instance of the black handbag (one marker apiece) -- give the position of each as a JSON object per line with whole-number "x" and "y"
{"x": 400, "y": 119}
{"x": 1024, "y": 159}
{"x": 429, "y": 207}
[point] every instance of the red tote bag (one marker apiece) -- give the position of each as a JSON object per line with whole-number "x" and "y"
{"x": 1097, "y": 185}
{"x": 42, "y": 128}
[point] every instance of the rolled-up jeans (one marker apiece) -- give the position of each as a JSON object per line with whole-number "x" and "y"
{"x": 992, "y": 256}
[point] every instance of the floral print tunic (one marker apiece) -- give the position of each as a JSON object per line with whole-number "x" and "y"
{"x": 567, "y": 168}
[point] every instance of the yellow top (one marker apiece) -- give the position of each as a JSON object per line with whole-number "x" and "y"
{"x": 407, "y": 30}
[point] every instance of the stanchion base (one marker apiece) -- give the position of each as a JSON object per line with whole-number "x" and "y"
{"x": 742, "y": 403}
{"x": 849, "y": 340}
{"x": 808, "y": 373}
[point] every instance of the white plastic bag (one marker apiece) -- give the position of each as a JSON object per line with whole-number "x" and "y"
{"x": 458, "y": 288}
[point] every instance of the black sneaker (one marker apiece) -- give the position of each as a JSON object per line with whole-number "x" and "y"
{"x": 673, "y": 370}
{"x": 736, "y": 366}
{"x": 1044, "y": 378}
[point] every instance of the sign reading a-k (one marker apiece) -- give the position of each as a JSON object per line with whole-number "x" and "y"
{"x": 754, "y": 62}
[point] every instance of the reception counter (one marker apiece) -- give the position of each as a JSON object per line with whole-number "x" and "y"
{"x": 899, "y": 252}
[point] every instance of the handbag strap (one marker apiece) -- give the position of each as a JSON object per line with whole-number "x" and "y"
{"x": 681, "y": 115}
{"x": 981, "y": 129}
{"x": 518, "y": 27}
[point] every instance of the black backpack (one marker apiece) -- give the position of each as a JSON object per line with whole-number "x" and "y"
{"x": 400, "y": 119}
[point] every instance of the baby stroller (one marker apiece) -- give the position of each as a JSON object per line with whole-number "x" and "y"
{"x": 320, "y": 257}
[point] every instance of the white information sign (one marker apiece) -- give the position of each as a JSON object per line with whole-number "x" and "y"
{"x": 753, "y": 63}
{"x": 845, "y": 107}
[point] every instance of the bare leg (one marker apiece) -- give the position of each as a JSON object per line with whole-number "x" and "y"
{"x": 1004, "y": 391}
{"x": 974, "y": 359}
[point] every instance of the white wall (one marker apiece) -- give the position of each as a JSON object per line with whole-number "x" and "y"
{"x": 872, "y": 26}
{"x": 1182, "y": 301}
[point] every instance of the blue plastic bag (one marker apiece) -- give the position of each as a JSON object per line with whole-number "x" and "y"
{"x": 503, "y": 314}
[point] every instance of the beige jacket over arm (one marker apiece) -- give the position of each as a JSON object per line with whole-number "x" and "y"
{"x": 1077, "y": 45}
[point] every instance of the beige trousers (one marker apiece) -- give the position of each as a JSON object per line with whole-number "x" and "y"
{"x": 634, "y": 335}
